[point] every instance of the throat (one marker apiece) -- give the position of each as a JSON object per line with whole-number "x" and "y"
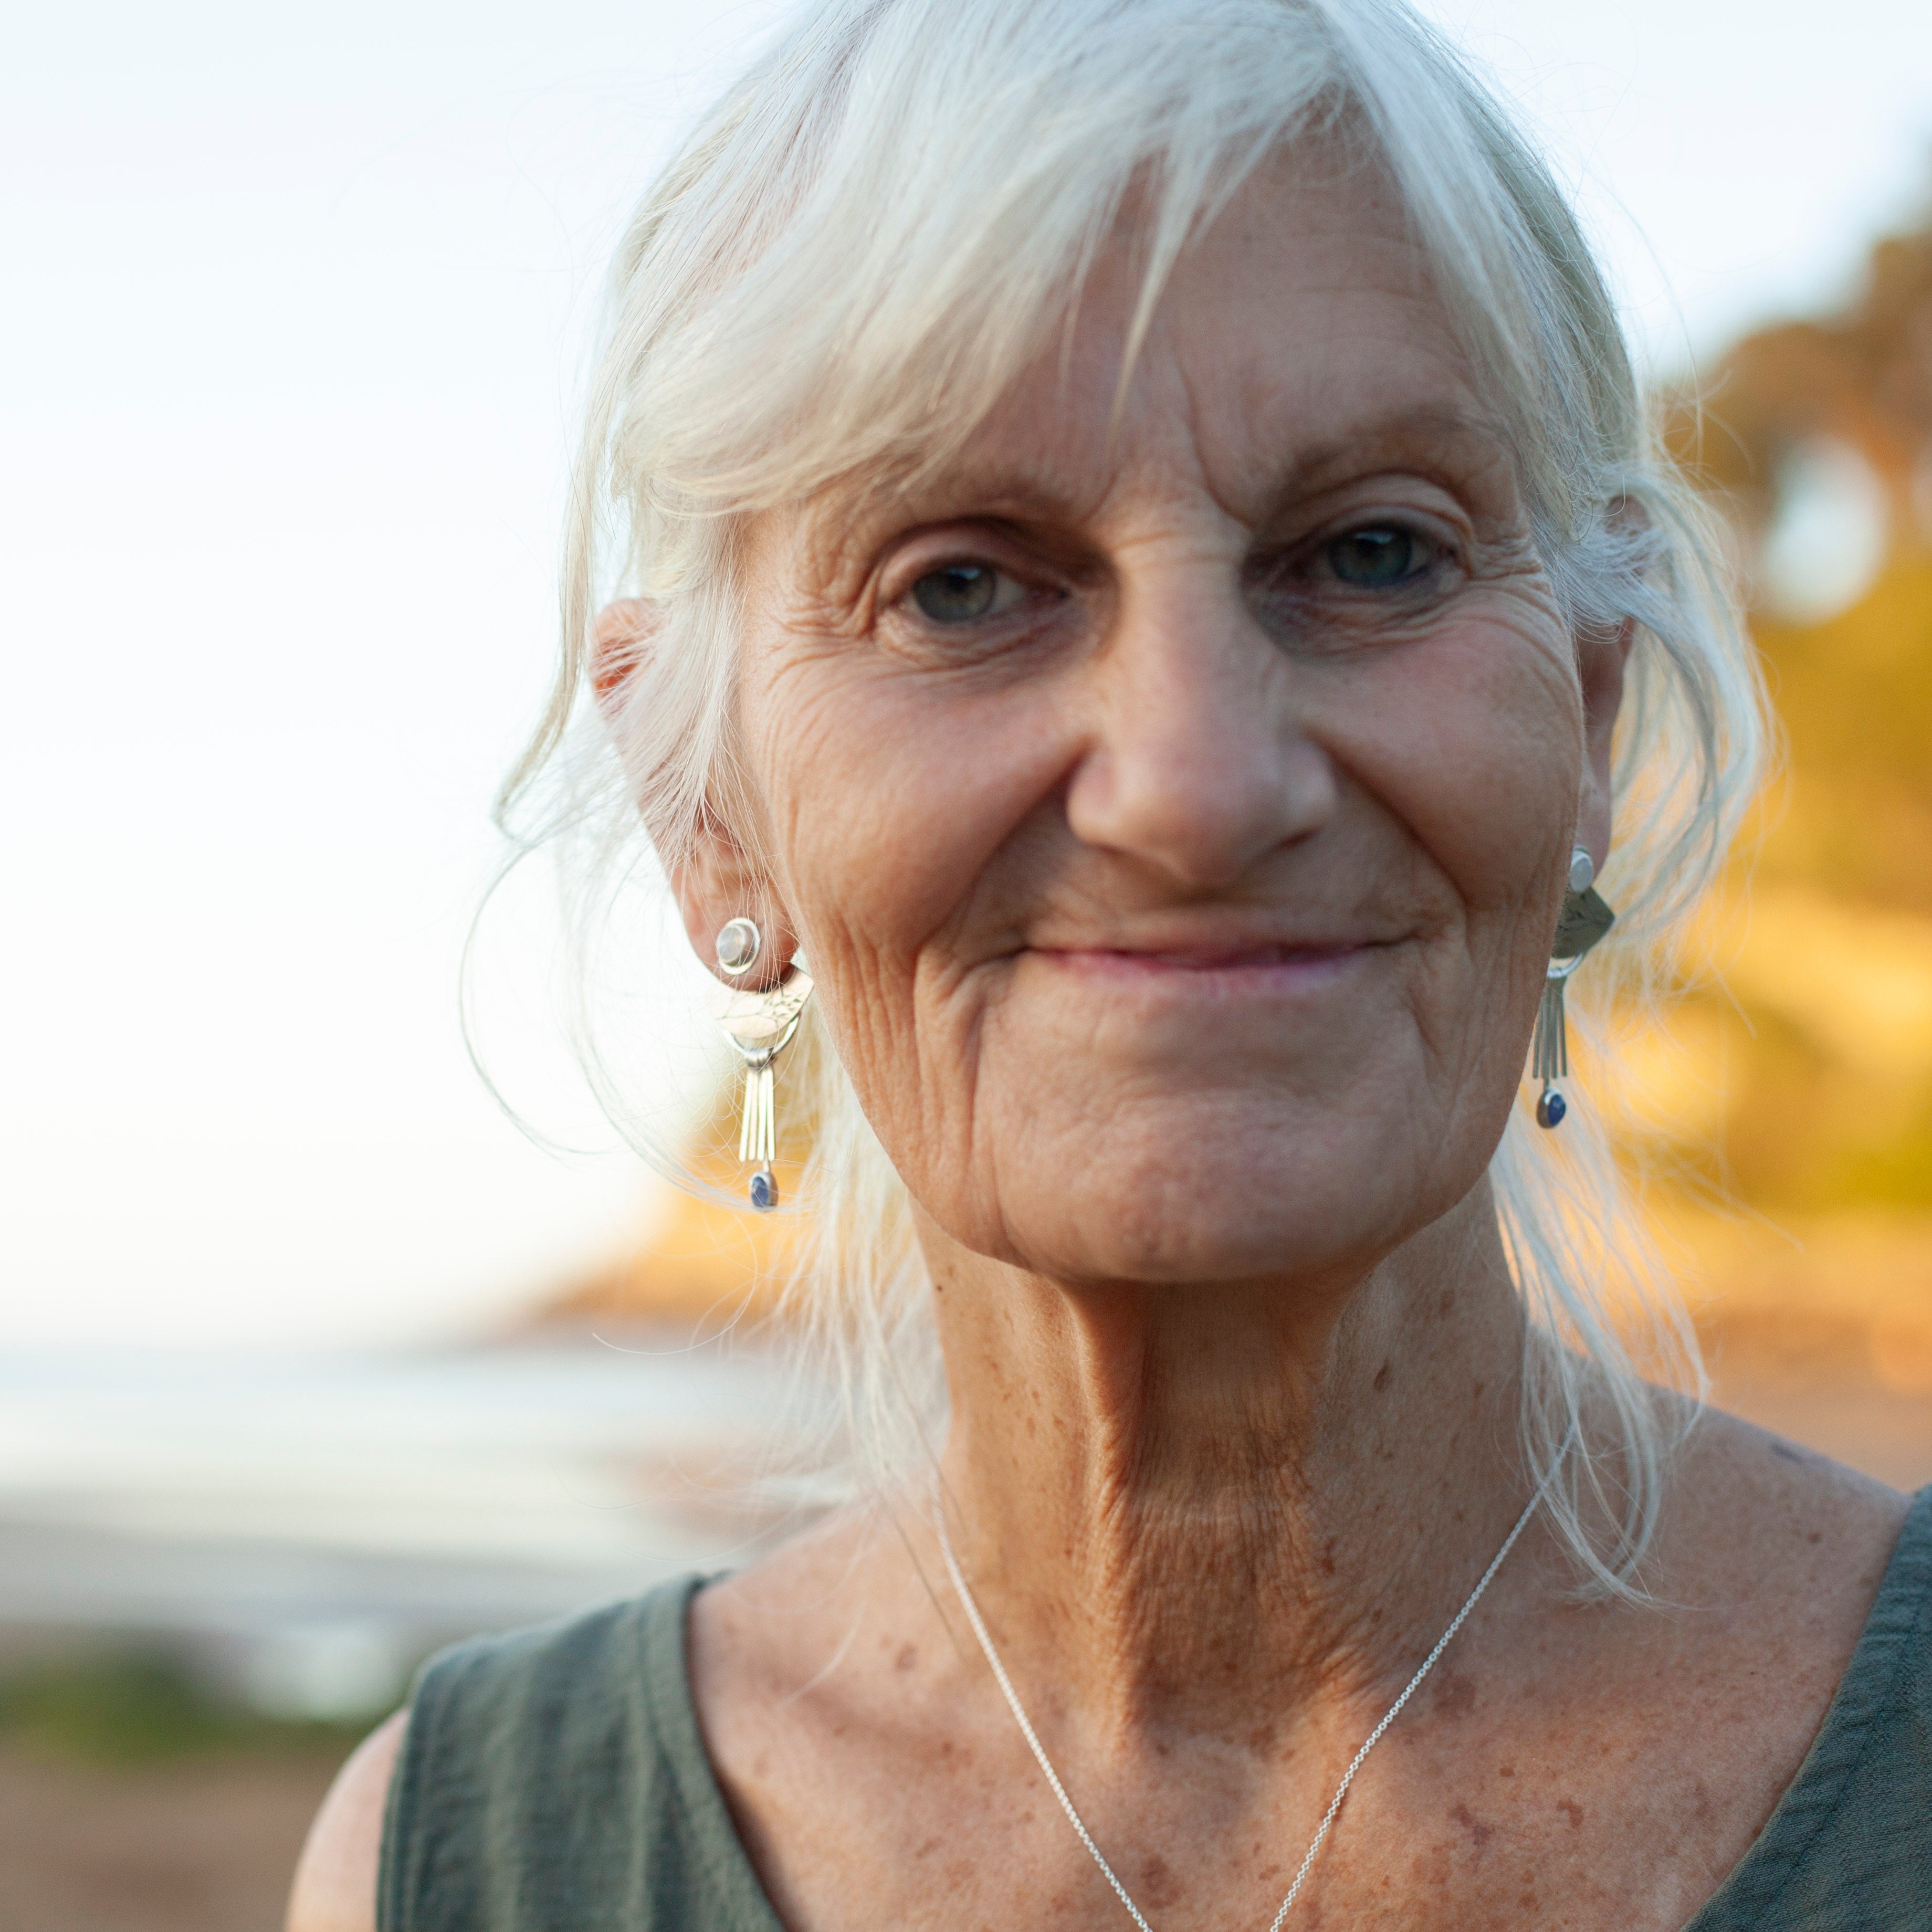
{"x": 1207, "y": 1510}
{"x": 990, "y": 1650}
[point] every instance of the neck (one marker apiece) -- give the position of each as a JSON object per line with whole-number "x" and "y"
{"x": 1209, "y": 1505}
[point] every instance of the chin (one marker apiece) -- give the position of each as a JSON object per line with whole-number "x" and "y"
{"x": 1219, "y": 1199}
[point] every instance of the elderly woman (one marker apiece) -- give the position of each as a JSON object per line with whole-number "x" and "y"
{"x": 1143, "y": 564}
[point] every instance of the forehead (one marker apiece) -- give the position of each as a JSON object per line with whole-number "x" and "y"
{"x": 1301, "y": 335}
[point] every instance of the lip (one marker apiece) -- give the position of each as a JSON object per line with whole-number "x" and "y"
{"x": 1258, "y": 968}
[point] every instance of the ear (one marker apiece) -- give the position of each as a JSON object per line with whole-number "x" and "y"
{"x": 624, "y": 633}
{"x": 716, "y": 880}
{"x": 1601, "y": 655}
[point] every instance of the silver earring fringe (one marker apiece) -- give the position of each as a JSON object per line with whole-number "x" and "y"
{"x": 1549, "y": 1050}
{"x": 1584, "y": 920}
{"x": 760, "y": 1025}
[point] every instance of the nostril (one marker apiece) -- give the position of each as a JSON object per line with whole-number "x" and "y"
{"x": 1205, "y": 814}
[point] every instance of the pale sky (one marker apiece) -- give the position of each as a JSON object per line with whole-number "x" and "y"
{"x": 296, "y": 303}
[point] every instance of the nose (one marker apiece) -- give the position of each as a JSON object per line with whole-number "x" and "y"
{"x": 1196, "y": 762}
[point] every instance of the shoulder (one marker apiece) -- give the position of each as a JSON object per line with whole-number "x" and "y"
{"x": 539, "y": 1769}
{"x": 1759, "y": 1583}
{"x": 1768, "y": 1568}
{"x": 494, "y": 1725}
{"x": 1753, "y": 1514}
{"x": 793, "y": 1615}
{"x": 1797, "y": 1595}
{"x": 335, "y": 1882}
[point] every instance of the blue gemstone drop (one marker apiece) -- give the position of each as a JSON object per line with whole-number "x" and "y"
{"x": 764, "y": 1190}
{"x": 1551, "y": 1108}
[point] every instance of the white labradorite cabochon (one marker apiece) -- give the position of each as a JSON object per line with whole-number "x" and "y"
{"x": 740, "y": 943}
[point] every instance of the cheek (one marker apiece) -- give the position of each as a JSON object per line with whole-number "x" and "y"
{"x": 1475, "y": 740}
{"x": 888, "y": 803}
{"x": 889, "y": 795}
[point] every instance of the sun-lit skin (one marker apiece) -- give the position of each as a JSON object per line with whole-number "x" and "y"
{"x": 1180, "y": 918}
{"x": 1181, "y": 922}
{"x": 1184, "y": 921}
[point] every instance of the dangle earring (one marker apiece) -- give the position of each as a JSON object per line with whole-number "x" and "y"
{"x": 1584, "y": 920}
{"x": 760, "y": 1025}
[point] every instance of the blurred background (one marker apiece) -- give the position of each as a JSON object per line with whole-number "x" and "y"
{"x": 312, "y": 1357}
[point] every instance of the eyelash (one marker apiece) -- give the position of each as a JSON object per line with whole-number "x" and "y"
{"x": 1321, "y": 552}
{"x": 1010, "y": 591}
{"x": 971, "y": 576}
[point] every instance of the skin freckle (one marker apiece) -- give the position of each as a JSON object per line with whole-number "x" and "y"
{"x": 1572, "y": 1810}
{"x": 1480, "y": 1833}
{"x": 1432, "y": 1866}
{"x": 1455, "y": 1694}
{"x": 1159, "y": 1886}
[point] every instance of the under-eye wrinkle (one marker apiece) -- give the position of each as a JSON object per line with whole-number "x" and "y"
{"x": 1369, "y": 574}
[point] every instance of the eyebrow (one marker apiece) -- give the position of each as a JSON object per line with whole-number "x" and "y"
{"x": 1397, "y": 433}
{"x": 1027, "y": 493}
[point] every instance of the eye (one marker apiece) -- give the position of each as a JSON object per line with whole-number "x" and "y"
{"x": 1379, "y": 556}
{"x": 963, "y": 593}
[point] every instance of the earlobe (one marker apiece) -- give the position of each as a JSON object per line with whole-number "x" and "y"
{"x": 717, "y": 883}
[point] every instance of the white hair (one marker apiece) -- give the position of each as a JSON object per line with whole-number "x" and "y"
{"x": 857, "y": 251}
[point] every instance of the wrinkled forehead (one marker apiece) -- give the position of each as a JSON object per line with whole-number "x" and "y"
{"x": 1298, "y": 338}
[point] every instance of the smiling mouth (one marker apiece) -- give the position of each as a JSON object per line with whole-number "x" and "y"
{"x": 1312, "y": 957}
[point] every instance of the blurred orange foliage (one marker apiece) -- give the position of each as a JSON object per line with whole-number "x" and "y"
{"x": 1798, "y": 1082}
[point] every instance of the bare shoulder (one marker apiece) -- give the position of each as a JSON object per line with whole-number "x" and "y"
{"x": 1746, "y": 1494}
{"x": 816, "y": 1655}
{"x": 335, "y": 1881}
{"x": 765, "y": 1629}
{"x": 1786, "y": 1546}
{"x": 831, "y": 1695}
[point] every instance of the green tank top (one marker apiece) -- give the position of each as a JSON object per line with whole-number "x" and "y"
{"x": 555, "y": 1781}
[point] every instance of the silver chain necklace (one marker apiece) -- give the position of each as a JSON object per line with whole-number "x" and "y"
{"x": 1328, "y": 1817}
